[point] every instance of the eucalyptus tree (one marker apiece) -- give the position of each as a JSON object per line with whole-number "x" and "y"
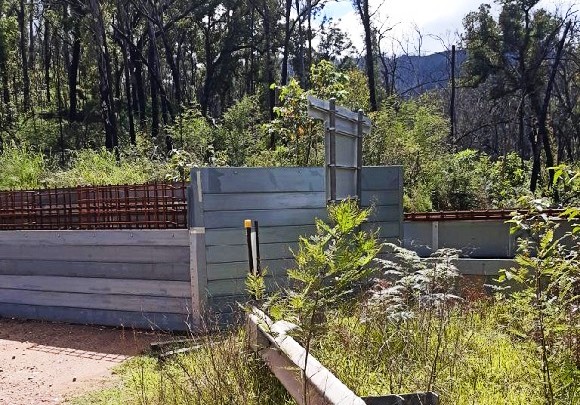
{"x": 519, "y": 55}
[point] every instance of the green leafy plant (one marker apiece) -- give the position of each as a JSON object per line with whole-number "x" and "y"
{"x": 546, "y": 280}
{"x": 331, "y": 266}
{"x": 410, "y": 283}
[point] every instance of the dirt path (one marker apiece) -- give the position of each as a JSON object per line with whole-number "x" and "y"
{"x": 43, "y": 363}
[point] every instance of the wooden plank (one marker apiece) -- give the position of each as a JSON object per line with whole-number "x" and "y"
{"x": 141, "y": 320}
{"x": 273, "y": 234}
{"x": 145, "y": 271}
{"x": 263, "y": 201}
{"x": 238, "y": 253}
{"x": 261, "y": 180}
{"x": 136, "y": 237}
{"x": 179, "y": 289}
{"x": 126, "y": 254}
{"x": 239, "y": 270}
{"x": 380, "y": 178}
{"x": 96, "y": 301}
{"x": 235, "y": 219}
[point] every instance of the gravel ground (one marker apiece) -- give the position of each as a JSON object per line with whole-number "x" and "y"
{"x": 44, "y": 363}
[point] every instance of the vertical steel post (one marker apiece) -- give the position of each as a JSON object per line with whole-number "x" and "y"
{"x": 332, "y": 139}
{"x": 359, "y": 147}
{"x": 258, "y": 265}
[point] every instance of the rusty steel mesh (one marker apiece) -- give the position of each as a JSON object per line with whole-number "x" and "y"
{"x": 141, "y": 206}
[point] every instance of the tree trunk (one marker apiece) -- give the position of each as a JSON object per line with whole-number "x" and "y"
{"x": 124, "y": 22}
{"x": 300, "y": 48}
{"x": 152, "y": 82}
{"x": 286, "y": 47}
{"x": 542, "y": 112}
{"x": 364, "y": 14}
{"x": 452, "y": 101}
{"x": 24, "y": 56}
{"x": 105, "y": 90}
{"x": 73, "y": 71}
{"x": 31, "y": 36}
{"x": 46, "y": 59}
{"x": 4, "y": 71}
{"x": 140, "y": 99}
{"x": 269, "y": 68}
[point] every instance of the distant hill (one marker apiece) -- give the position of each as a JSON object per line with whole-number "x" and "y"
{"x": 416, "y": 74}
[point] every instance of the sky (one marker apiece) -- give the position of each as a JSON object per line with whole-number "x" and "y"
{"x": 439, "y": 21}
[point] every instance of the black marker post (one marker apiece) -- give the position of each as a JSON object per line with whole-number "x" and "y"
{"x": 248, "y": 226}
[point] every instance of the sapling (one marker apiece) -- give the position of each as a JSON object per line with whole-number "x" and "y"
{"x": 547, "y": 284}
{"x": 331, "y": 266}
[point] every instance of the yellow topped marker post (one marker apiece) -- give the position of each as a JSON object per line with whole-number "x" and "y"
{"x": 253, "y": 242}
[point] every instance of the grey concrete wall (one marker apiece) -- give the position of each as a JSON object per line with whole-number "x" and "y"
{"x": 486, "y": 246}
{"x": 475, "y": 239}
{"x": 285, "y": 202}
{"x": 131, "y": 278}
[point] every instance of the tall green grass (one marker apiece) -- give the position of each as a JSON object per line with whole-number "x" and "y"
{"x": 467, "y": 357}
{"x": 221, "y": 371}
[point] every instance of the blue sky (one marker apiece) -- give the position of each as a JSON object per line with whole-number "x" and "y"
{"x": 439, "y": 21}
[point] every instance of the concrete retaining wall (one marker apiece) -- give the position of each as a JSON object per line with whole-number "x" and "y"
{"x": 131, "y": 278}
{"x": 285, "y": 202}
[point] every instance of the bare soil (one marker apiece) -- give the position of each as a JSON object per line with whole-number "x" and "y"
{"x": 45, "y": 363}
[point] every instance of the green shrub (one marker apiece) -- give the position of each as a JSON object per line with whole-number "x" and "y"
{"x": 192, "y": 133}
{"x": 101, "y": 167}
{"x": 21, "y": 168}
{"x": 237, "y": 136}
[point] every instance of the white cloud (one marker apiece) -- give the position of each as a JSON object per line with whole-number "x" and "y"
{"x": 433, "y": 18}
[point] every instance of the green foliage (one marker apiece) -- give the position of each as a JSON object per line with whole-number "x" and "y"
{"x": 21, "y": 168}
{"x": 507, "y": 179}
{"x": 39, "y": 134}
{"x": 357, "y": 91}
{"x": 328, "y": 82}
{"x": 545, "y": 302}
{"x": 192, "y": 133}
{"x": 101, "y": 167}
{"x": 301, "y": 136}
{"x": 412, "y": 133}
{"x": 477, "y": 361}
{"x": 220, "y": 371}
{"x": 462, "y": 182}
{"x": 410, "y": 284}
{"x": 256, "y": 285}
{"x": 330, "y": 266}
{"x": 237, "y": 136}
{"x": 409, "y": 133}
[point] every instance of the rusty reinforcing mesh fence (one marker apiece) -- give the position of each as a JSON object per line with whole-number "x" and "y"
{"x": 143, "y": 206}
{"x": 480, "y": 215}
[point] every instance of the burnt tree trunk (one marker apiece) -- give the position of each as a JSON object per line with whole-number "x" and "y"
{"x": 23, "y": 45}
{"x": 541, "y": 109}
{"x": 104, "y": 64}
{"x": 73, "y": 71}
{"x": 362, "y": 7}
